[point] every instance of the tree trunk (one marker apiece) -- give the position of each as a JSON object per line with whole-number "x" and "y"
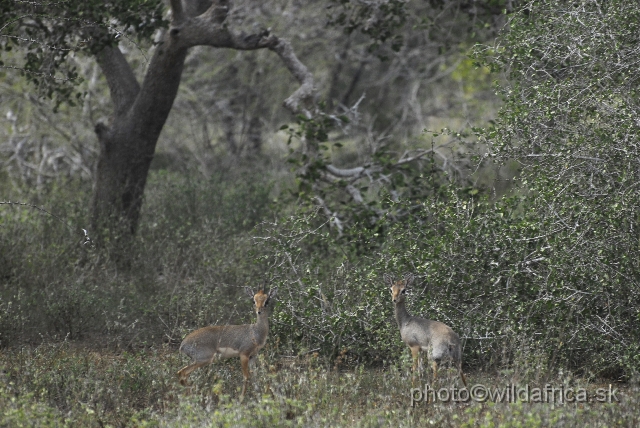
{"x": 121, "y": 175}
{"x": 128, "y": 142}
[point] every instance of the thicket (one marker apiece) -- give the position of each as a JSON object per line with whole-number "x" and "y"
{"x": 525, "y": 295}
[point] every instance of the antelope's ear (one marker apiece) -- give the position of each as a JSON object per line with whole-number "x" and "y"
{"x": 273, "y": 292}
{"x": 408, "y": 279}
{"x": 388, "y": 279}
{"x": 249, "y": 292}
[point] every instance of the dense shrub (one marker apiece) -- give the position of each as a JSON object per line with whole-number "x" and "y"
{"x": 522, "y": 294}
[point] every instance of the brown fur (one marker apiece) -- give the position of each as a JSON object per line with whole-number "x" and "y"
{"x": 227, "y": 341}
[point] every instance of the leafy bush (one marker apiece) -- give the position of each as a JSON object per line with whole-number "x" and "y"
{"x": 520, "y": 295}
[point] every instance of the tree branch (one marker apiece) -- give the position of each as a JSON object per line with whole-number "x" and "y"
{"x": 355, "y": 193}
{"x": 217, "y": 12}
{"x": 333, "y": 217}
{"x": 304, "y": 94}
{"x": 355, "y": 173}
{"x": 159, "y": 88}
{"x": 346, "y": 173}
{"x": 122, "y": 82}
{"x": 208, "y": 29}
{"x": 177, "y": 12}
{"x": 403, "y": 160}
{"x": 350, "y": 188}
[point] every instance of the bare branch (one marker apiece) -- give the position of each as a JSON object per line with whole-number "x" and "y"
{"x": 355, "y": 193}
{"x": 208, "y": 29}
{"x": 350, "y": 188}
{"x": 203, "y": 32}
{"x": 360, "y": 171}
{"x": 346, "y": 173}
{"x": 537, "y": 155}
{"x": 403, "y": 160}
{"x": 333, "y": 217}
{"x": 304, "y": 94}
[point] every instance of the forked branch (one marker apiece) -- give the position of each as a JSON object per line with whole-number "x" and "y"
{"x": 209, "y": 29}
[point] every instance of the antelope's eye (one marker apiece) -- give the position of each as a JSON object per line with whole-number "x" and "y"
{"x": 266, "y": 303}
{"x": 404, "y": 291}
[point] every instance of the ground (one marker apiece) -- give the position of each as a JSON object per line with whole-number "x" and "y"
{"x": 71, "y": 384}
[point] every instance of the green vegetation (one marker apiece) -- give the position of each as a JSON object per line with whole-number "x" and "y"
{"x": 62, "y": 385}
{"x": 520, "y": 226}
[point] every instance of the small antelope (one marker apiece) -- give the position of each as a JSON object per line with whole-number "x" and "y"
{"x": 436, "y": 339}
{"x": 228, "y": 341}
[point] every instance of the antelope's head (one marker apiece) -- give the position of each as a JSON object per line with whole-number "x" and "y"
{"x": 261, "y": 299}
{"x": 398, "y": 288}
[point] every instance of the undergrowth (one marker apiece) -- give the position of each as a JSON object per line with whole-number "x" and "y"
{"x": 67, "y": 385}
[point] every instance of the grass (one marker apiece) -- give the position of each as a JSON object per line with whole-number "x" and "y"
{"x": 67, "y": 384}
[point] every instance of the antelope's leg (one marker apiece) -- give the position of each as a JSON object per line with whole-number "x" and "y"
{"x": 184, "y": 372}
{"x": 244, "y": 362}
{"x": 464, "y": 381}
{"x": 415, "y": 354}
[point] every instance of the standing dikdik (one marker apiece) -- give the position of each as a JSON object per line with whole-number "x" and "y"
{"x": 436, "y": 339}
{"x": 228, "y": 341}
